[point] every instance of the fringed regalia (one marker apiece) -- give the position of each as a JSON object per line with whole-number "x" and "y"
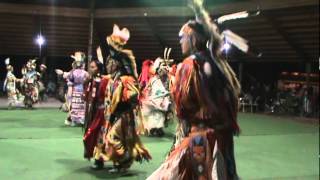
{"x": 155, "y": 104}
{"x": 30, "y": 84}
{"x": 42, "y": 83}
{"x": 64, "y": 91}
{"x": 117, "y": 140}
{"x": 61, "y": 88}
{"x": 95, "y": 121}
{"x": 144, "y": 77}
{"x": 75, "y": 81}
{"x": 205, "y": 93}
{"x": 10, "y": 85}
{"x": 11, "y": 89}
{"x": 155, "y": 99}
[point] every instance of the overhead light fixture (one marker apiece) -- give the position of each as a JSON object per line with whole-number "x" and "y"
{"x": 40, "y": 40}
{"x": 226, "y": 46}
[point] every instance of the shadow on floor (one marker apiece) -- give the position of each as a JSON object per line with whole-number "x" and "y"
{"x": 80, "y": 169}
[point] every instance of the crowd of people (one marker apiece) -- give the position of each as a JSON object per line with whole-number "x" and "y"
{"x": 25, "y": 91}
{"x": 115, "y": 105}
{"x": 299, "y": 100}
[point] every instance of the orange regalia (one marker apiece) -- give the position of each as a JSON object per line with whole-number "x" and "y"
{"x": 205, "y": 94}
{"x": 119, "y": 142}
{"x": 117, "y": 139}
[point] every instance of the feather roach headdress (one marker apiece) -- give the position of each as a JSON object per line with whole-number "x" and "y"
{"x": 115, "y": 43}
{"x": 165, "y": 61}
{"x": 79, "y": 58}
{"x": 208, "y": 33}
{"x": 7, "y": 62}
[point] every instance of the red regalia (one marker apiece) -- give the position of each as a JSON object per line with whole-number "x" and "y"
{"x": 205, "y": 94}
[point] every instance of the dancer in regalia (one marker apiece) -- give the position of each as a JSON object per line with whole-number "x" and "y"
{"x": 92, "y": 91}
{"x": 30, "y": 83}
{"x": 206, "y": 101}
{"x": 146, "y": 74}
{"x": 75, "y": 80}
{"x": 94, "y": 97}
{"x": 10, "y": 85}
{"x": 155, "y": 99}
{"x": 43, "y": 80}
{"x": 64, "y": 90}
{"x": 117, "y": 139}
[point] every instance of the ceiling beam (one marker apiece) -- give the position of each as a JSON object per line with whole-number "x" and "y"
{"x": 43, "y": 10}
{"x": 278, "y": 27}
{"x": 151, "y": 11}
{"x": 270, "y": 60}
{"x": 214, "y": 10}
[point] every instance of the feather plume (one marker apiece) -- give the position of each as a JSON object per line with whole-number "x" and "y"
{"x": 99, "y": 54}
{"x": 236, "y": 40}
{"x": 7, "y": 61}
{"x": 238, "y": 15}
{"x": 168, "y": 53}
{"x": 165, "y": 53}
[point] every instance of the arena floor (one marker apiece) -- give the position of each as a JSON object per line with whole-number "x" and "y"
{"x": 34, "y": 144}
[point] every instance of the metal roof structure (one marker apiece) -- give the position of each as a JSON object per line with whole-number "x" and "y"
{"x": 285, "y": 30}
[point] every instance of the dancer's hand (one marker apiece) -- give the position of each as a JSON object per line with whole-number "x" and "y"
{"x": 59, "y": 71}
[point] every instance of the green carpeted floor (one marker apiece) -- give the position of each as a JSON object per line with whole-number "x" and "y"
{"x": 36, "y": 145}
